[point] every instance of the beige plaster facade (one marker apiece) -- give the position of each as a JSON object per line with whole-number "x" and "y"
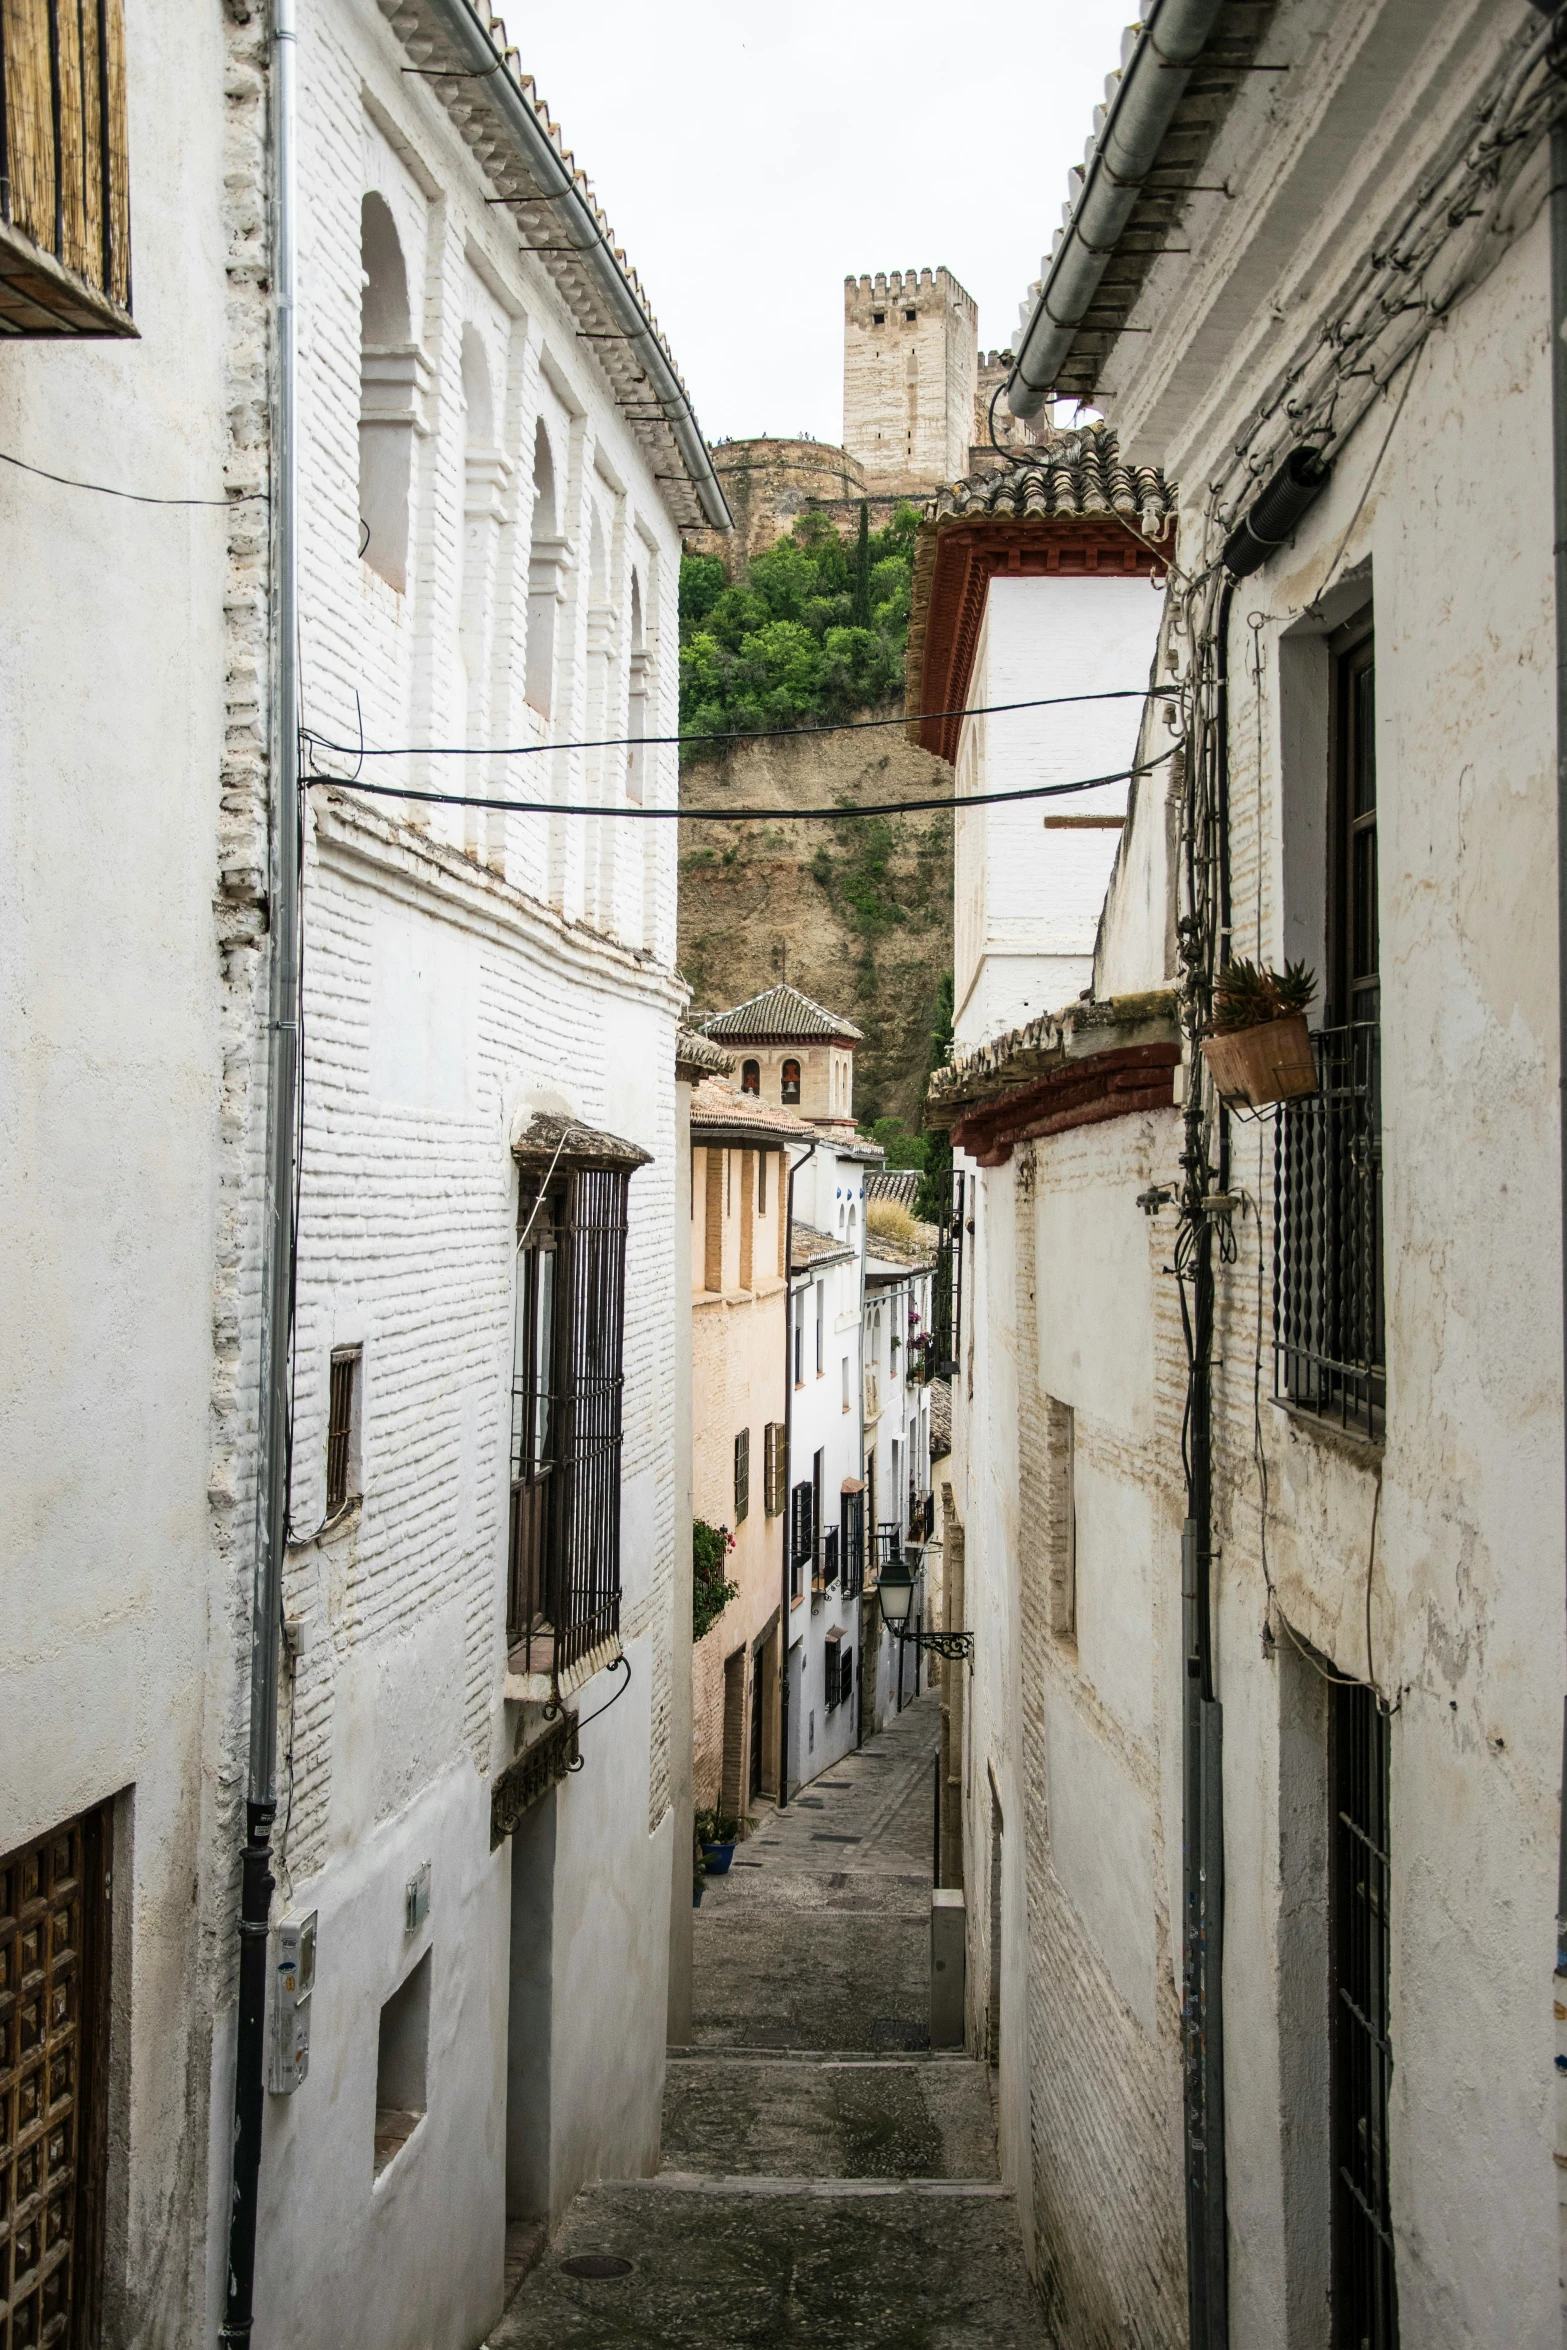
{"x": 739, "y": 1193}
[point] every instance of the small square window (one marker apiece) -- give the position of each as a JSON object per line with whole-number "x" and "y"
{"x": 342, "y": 1411}
{"x": 910, "y": 316}
{"x": 878, "y": 318}
{"x": 400, "y": 2064}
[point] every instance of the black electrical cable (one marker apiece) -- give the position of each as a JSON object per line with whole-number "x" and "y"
{"x": 102, "y": 489}
{"x": 677, "y": 815}
{"x": 755, "y": 734}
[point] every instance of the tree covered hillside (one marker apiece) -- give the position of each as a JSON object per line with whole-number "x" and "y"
{"x": 814, "y": 631}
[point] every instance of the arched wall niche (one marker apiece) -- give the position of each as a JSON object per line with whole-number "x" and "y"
{"x": 389, "y": 366}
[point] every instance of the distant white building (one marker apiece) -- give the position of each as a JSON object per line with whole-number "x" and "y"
{"x": 897, "y": 1332}
{"x": 826, "y": 1527}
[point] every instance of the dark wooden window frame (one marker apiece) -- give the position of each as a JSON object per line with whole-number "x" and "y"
{"x": 742, "y": 1475}
{"x": 566, "y": 1427}
{"x": 342, "y": 1395}
{"x": 1365, "y": 2286}
{"x": 1329, "y": 1314}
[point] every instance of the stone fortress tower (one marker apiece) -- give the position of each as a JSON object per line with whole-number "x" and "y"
{"x": 910, "y": 366}
{"x": 916, "y": 397}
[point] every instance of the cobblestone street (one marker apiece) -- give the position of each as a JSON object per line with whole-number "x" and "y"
{"x": 827, "y": 2176}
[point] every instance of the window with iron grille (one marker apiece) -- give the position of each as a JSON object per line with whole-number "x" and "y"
{"x": 563, "y": 1591}
{"x": 834, "y": 1670}
{"x": 851, "y": 1544}
{"x": 946, "y": 1299}
{"x": 828, "y": 1547}
{"x": 802, "y": 1530}
{"x": 341, "y": 1399}
{"x": 845, "y": 1674}
{"x": 1365, "y": 2294}
{"x": 742, "y": 1475}
{"x": 1329, "y": 1340}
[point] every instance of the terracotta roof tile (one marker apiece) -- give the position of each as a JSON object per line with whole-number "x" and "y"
{"x": 780, "y": 1012}
{"x": 717, "y": 1106}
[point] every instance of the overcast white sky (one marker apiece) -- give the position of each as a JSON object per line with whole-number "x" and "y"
{"x": 751, "y": 157}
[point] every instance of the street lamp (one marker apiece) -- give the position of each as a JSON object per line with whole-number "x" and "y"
{"x": 895, "y": 1590}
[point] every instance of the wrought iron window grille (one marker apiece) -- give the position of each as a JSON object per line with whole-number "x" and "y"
{"x": 1365, "y": 2290}
{"x": 944, "y": 1345}
{"x": 1328, "y": 1325}
{"x": 563, "y": 1582}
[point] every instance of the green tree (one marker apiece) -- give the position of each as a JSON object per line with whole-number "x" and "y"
{"x": 813, "y": 631}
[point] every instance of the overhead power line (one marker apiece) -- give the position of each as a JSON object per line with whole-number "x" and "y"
{"x": 833, "y": 815}
{"x": 102, "y": 489}
{"x": 755, "y": 734}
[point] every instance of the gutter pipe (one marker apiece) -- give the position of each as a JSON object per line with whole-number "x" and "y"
{"x": 1558, "y": 202}
{"x": 579, "y": 227}
{"x": 788, "y": 1492}
{"x": 256, "y": 1884}
{"x": 1147, "y": 95}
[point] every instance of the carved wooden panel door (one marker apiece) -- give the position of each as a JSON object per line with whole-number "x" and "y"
{"x": 54, "y": 1904}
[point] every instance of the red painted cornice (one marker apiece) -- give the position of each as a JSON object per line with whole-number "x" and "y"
{"x": 973, "y": 552}
{"x": 1081, "y": 1093}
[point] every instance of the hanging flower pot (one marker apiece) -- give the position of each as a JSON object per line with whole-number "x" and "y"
{"x": 1255, "y": 1067}
{"x": 1260, "y": 1049}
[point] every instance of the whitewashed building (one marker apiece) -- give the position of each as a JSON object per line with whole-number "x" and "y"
{"x": 121, "y": 918}
{"x": 826, "y": 1528}
{"x": 488, "y": 1640}
{"x": 1259, "y": 1433}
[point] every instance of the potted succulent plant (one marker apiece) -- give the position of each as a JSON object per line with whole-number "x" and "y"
{"x": 718, "y": 1837}
{"x": 1257, "y": 1048}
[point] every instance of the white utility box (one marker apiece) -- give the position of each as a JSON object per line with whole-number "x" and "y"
{"x": 293, "y": 1981}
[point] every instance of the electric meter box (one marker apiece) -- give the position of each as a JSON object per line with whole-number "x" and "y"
{"x": 293, "y": 1981}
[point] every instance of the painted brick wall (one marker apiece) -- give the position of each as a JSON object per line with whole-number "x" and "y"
{"x": 1103, "y": 2094}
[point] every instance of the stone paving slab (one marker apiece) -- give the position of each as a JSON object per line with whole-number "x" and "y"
{"x": 898, "y": 2269}
{"x": 845, "y": 2118}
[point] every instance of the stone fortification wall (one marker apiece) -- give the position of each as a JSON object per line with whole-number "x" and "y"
{"x": 1011, "y": 431}
{"x": 863, "y": 908}
{"x": 770, "y": 484}
{"x": 910, "y": 345}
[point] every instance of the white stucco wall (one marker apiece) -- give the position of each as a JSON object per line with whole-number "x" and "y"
{"x": 1439, "y": 512}
{"x": 464, "y": 970}
{"x": 1028, "y": 887}
{"x": 112, "y": 699}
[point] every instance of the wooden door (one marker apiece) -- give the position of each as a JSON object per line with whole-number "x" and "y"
{"x": 54, "y": 1940}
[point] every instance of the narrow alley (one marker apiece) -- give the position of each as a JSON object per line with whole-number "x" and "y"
{"x": 826, "y": 2174}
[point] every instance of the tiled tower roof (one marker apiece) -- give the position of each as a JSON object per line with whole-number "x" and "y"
{"x": 781, "y": 1013}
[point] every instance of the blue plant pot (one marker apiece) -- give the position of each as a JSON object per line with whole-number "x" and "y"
{"x": 718, "y": 1857}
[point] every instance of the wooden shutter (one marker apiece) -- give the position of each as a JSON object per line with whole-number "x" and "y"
{"x": 742, "y": 1475}
{"x": 65, "y": 248}
{"x": 774, "y": 1470}
{"x": 801, "y": 1529}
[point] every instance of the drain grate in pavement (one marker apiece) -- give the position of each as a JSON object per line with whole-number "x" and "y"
{"x": 900, "y": 2031}
{"x": 595, "y": 2264}
{"x": 831, "y": 1836}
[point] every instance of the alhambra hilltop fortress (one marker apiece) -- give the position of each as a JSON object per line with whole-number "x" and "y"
{"x": 917, "y": 391}
{"x": 917, "y": 396}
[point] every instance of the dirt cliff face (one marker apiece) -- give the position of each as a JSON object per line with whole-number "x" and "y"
{"x": 863, "y": 906}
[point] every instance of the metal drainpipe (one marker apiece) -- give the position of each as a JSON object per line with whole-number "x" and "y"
{"x": 788, "y": 1492}
{"x": 1559, "y": 487}
{"x": 1207, "y": 2251}
{"x": 278, "y": 1237}
{"x": 1145, "y": 100}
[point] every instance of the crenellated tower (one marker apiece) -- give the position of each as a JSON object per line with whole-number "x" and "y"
{"x": 910, "y": 365}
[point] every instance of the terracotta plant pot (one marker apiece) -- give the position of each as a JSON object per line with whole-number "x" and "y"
{"x": 1254, "y": 1067}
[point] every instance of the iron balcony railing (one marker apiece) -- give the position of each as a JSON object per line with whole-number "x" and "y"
{"x": 852, "y": 1546}
{"x": 945, "y": 1342}
{"x": 1328, "y": 1334}
{"x": 824, "y": 1564}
